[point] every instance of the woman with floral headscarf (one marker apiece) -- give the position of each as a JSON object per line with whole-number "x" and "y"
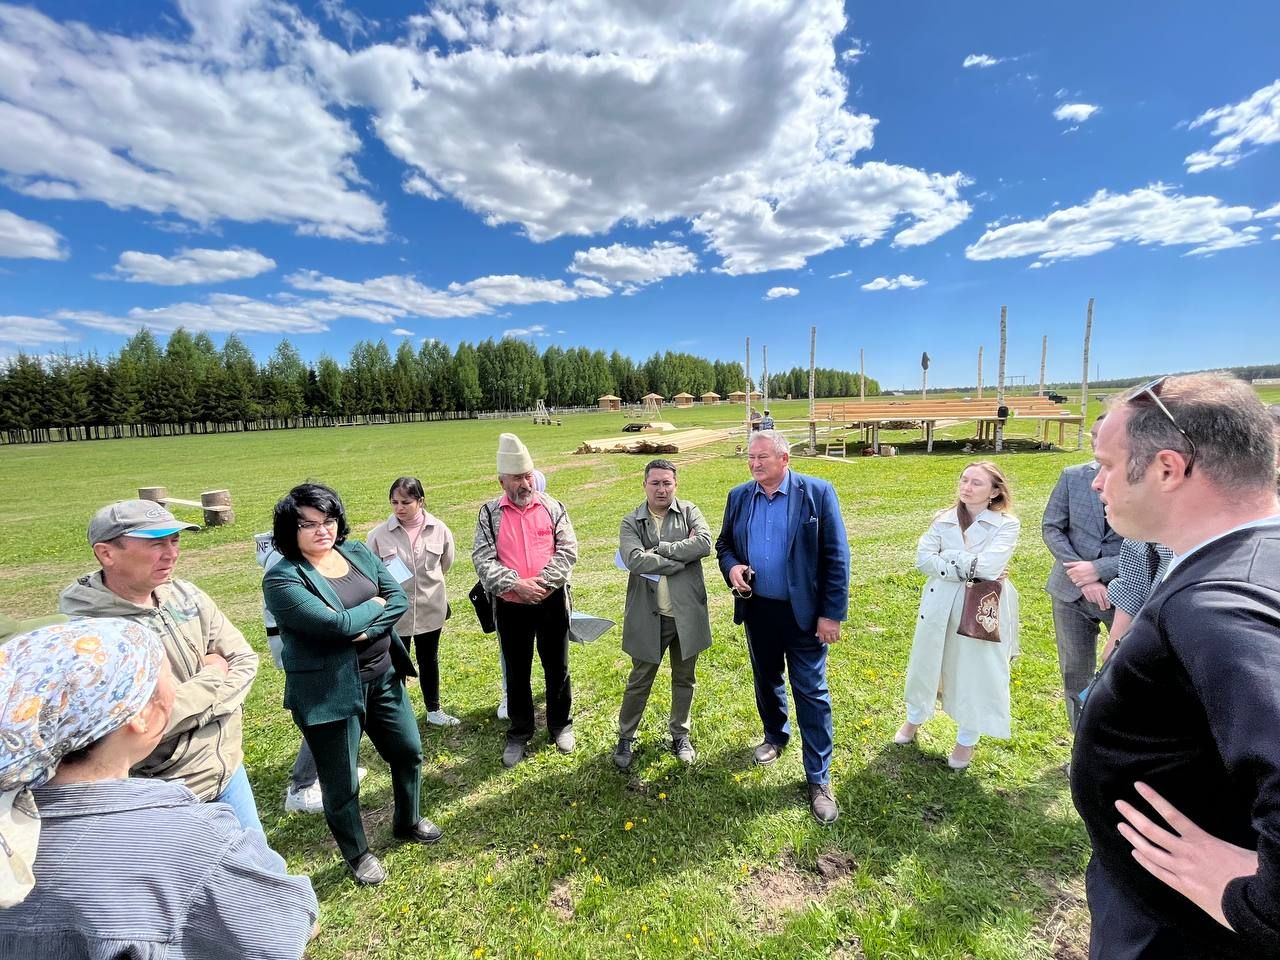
{"x": 81, "y": 703}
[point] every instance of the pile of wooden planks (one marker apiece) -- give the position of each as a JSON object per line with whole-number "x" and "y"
{"x": 676, "y": 442}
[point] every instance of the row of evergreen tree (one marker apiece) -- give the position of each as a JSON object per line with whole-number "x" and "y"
{"x": 192, "y": 386}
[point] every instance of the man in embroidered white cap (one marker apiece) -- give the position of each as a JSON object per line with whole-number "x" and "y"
{"x": 136, "y": 543}
{"x": 524, "y": 554}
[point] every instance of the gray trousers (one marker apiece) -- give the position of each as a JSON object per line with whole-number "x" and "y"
{"x": 1076, "y": 625}
{"x": 640, "y": 683}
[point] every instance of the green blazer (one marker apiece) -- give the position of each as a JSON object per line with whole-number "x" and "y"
{"x": 322, "y": 675}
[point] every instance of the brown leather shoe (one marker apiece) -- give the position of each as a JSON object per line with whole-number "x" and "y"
{"x": 766, "y": 753}
{"x": 822, "y": 804}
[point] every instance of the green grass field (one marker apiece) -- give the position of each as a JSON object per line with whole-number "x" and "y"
{"x": 564, "y": 857}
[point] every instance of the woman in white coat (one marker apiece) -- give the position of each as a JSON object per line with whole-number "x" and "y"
{"x": 973, "y": 539}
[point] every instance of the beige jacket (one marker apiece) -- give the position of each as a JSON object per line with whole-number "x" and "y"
{"x": 202, "y": 745}
{"x": 429, "y": 561}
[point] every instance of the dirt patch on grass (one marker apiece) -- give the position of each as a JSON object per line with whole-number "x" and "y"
{"x": 772, "y": 892}
{"x": 560, "y": 901}
{"x": 1066, "y": 927}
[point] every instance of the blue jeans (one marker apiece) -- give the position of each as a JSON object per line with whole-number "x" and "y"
{"x": 775, "y": 643}
{"x": 238, "y": 795}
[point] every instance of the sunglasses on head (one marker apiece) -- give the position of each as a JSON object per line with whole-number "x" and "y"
{"x": 1152, "y": 390}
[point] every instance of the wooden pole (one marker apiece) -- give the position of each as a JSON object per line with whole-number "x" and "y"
{"x": 813, "y": 426}
{"x": 764, "y": 377}
{"x": 1004, "y": 340}
{"x": 1084, "y": 379}
{"x": 862, "y": 375}
{"x": 747, "y": 415}
{"x": 924, "y": 382}
{"x": 1042, "y": 432}
{"x": 979, "y": 373}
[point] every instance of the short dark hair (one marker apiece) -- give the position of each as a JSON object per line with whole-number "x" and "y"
{"x": 284, "y": 524}
{"x": 1233, "y": 435}
{"x": 659, "y": 465}
{"x": 412, "y": 486}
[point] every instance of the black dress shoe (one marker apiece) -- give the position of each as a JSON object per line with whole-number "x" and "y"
{"x": 368, "y": 871}
{"x": 424, "y": 831}
{"x": 822, "y": 804}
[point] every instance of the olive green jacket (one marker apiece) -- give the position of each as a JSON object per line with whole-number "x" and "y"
{"x": 322, "y": 672}
{"x": 675, "y": 553}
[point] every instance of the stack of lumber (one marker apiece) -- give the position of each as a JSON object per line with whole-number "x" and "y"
{"x": 676, "y": 442}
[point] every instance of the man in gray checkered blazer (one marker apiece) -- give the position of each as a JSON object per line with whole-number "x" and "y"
{"x": 1085, "y": 556}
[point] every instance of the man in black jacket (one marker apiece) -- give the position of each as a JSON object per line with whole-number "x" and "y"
{"x": 1176, "y": 766}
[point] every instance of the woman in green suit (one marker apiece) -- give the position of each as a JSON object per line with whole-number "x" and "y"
{"x": 345, "y": 666}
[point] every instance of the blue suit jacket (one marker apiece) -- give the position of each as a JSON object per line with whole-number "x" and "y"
{"x": 818, "y": 556}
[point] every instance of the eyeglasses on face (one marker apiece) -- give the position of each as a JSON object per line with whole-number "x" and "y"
{"x": 311, "y": 526}
{"x": 1152, "y": 390}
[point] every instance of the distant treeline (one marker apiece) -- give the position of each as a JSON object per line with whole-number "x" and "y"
{"x": 1264, "y": 371}
{"x": 192, "y": 386}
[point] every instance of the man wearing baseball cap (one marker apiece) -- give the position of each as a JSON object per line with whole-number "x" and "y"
{"x": 136, "y": 544}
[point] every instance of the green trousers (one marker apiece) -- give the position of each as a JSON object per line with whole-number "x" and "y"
{"x": 640, "y": 683}
{"x": 393, "y": 730}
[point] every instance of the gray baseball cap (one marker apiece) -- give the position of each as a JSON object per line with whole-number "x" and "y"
{"x": 134, "y": 518}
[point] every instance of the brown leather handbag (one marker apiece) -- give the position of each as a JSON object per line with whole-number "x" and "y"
{"x": 980, "y": 618}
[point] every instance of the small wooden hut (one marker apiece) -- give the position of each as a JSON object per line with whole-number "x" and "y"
{"x": 710, "y": 397}
{"x": 610, "y": 402}
{"x": 737, "y": 396}
{"x": 682, "y": 400}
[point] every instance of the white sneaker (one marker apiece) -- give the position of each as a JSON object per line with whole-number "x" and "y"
{"x": 309, "y": 799}
{"x": 438, "y": 718}
{"x": 306, "y": 800}
{"x": 502, "y": 710}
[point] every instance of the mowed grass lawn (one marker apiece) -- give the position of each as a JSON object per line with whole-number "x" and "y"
{"x": 564, "y": 857}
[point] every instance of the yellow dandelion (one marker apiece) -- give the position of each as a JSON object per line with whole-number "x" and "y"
{"x": 577, "y": 850}
{"x": 662, "y": 796}
{"x": 695, "y": 941}
{"x": 627, "y": 936}
{"x": 535, "y": 846}
{"x": 405, "y": 908}
{"x": 628, "y": 825}
{"x": 488, "y": 878}
{"x": 478, "y": 952}
{"x": 583, "y": 860}
{"x": 653, "y": 859}
{"x": 644, "y": 928}
{"x": 597, "y": 879}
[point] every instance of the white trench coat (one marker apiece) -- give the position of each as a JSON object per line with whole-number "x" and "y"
{"x": 970, "y": 676}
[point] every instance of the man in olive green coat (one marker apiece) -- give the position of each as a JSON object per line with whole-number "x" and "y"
{"x": 662, "y": 543}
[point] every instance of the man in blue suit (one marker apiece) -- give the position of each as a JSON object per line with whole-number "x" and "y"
{"x": 784, "y": 553}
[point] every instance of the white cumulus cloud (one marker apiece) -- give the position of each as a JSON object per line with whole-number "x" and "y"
{"x": 536, "y": 330}
{"x": 842, "y": 273}
{"x": 32, "y": 331}
{"x": 1075, "y": 112}
{"x": 1241, "y": 128}
{"x": 1149, "y": 216}
{"x": 903, "y": 281}
{"x": 729, "y": 117}
{"x": 192, "y": 266}
{"x": 402, "y": 332}
{"x": 23, "y": 238}
{"x": 92, "y": 116}
{"x": 775, "y": 293}
{"x": 621, "y": 263}
{"x": 981, "y": 60}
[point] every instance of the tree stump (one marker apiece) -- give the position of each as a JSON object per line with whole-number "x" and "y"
{"x": 217, "y": 508}
{"x": 152, "y": 493}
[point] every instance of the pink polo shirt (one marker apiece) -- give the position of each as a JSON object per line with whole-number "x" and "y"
{"x": 526, "y": 539}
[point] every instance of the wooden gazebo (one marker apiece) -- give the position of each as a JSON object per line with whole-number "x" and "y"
{"x": 610, "y": 402}
{"x": 737, "y": 396}
{"x": 682, "y": 400}
{"x": 710, "y": 397}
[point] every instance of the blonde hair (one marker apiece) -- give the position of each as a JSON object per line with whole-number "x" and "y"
{"x": 1002, "y": 502}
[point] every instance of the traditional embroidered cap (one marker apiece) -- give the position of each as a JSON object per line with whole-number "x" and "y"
{"x": 62, "y": 687}
{"x": 134, "y": 518}
{"x": 513, "y": 456}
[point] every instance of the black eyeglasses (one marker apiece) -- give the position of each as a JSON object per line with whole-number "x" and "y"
{"x": 1152, "y": 390}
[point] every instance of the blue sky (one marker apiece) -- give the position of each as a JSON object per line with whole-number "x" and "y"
{"x": 649, "y": 176}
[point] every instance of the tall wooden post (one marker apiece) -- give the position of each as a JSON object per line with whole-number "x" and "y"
{"x": 980, "y": 373}
{"x": 1084, "y": 378}
{"x": 764, "y": 380}
{"x": 1042, "y": 432}
{"x": 747, "y": 415}
{"x": 924, "y": 382}
{"x": 1004, "y": 340}
{"x": 813, "y": 426}
{"x": 862, "y": 374}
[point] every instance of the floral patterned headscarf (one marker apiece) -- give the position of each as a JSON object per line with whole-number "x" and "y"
{"x": 62, "y": 688}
